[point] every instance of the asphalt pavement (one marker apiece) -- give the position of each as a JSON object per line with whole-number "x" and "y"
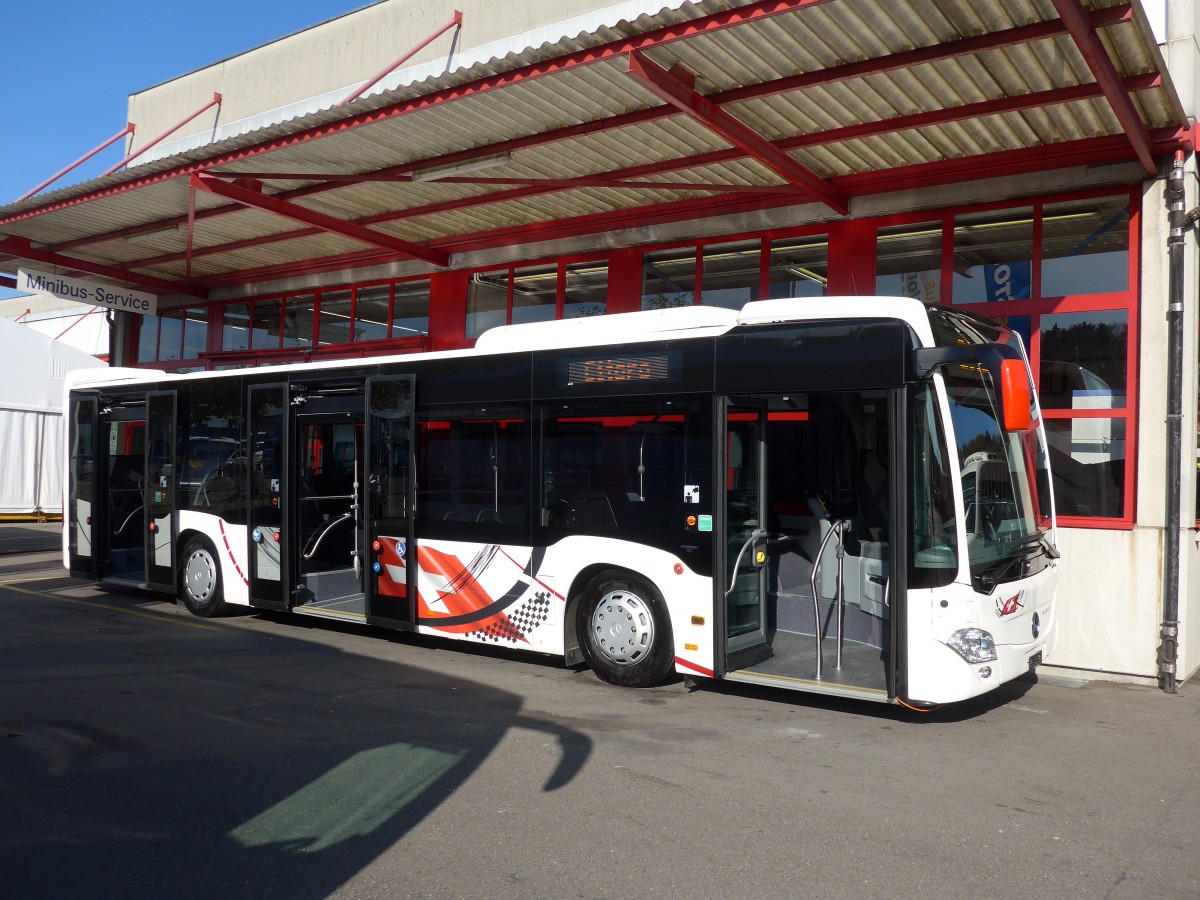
{"x": 146, "y": 753}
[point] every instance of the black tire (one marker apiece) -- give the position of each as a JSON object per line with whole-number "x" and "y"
{"x": 624, "y": 631}
{"x": 200, "y": 588}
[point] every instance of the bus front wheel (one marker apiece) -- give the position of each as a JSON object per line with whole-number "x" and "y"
{"x": 200, "y": 579}
{"x": 626, "y": 632}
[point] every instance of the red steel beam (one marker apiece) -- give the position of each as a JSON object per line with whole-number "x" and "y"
{"x": 752, "y": 12}
{"x": 951, "y": 49}
{"x": 311, "y": 217}
{"x": 868, "y": 129}
{"x": 215, "y": 101}
{"x": 1090, "y": 47}
{"x": 19, "y": 248}
{"x": 600, "y": 181}
{"x": 455, "y": 21}
{"x": 1024, "y": 161}
{"x": 128, "y": 129}
{"x": 668, "y": 88}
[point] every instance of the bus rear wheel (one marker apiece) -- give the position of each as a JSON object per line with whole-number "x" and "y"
{"x": 625, "y": 630}
{"x": 200, "y": 579}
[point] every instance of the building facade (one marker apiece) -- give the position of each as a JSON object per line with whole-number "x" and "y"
{"x": 1031, "y": 160}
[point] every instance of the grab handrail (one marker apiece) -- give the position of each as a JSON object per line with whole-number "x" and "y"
{"x": 835, "y": 527}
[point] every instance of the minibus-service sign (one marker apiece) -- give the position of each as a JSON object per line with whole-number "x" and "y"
{"x": 80, "y": 291}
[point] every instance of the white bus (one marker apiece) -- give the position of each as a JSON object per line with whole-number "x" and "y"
{"x": 846, "y": 495}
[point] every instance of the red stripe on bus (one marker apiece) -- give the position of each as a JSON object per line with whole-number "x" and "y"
{"x": 229, "y": 550}
{"x": 708, "y": 673}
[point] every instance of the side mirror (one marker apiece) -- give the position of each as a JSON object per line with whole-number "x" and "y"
{"x": 1004, "y": 365}
{"x": 1014, "y": 395}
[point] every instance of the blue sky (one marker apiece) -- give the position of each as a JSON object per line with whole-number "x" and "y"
{"x": 71, "y": 64}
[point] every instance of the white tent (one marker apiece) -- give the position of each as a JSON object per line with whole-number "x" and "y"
{"x": 32, "y": 369}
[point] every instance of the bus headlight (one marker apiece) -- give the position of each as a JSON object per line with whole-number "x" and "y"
{"x": 973, "y": 644}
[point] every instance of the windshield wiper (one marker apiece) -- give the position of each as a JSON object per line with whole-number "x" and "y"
{"x": 989, "y": 579}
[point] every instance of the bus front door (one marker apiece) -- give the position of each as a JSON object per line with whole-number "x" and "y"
{"x": 806, "y": 569}
{"x": 328, "y": 471}
{"x": 391, "y": 577}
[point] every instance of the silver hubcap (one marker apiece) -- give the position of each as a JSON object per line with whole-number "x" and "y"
{"x": 200, "y": 576}
{"x": 622, "y": 628}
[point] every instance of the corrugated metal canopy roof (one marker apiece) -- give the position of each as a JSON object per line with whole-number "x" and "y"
{"x": 792, "y": 100}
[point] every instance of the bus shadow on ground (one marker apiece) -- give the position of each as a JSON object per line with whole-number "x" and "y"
{"x": 146, "y": 759}
{"x": 953, "y": 712}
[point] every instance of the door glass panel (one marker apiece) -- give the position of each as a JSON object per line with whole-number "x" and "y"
{"x": 266, "y": 481}
{"x": 389, "y": 496}
{"x": 126, "y": 499}
{"x": 82, "y": 480}
{"x": 743, "y": 507}
{"x": 330, "y": 454}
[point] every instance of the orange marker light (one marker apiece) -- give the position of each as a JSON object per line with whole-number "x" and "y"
{"x": 376, "y": 546}
{"x": 691, "y": 521}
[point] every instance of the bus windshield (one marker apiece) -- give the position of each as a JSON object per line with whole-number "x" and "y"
{"x": 1003, "y": 477}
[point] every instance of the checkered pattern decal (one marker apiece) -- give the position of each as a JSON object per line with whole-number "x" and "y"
{"x": 519, "y": 623}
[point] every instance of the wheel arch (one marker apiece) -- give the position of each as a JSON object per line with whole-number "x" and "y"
{"x": 572, "y": 653}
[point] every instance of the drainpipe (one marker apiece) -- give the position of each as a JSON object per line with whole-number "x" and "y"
{"x": 1178, "y": 220}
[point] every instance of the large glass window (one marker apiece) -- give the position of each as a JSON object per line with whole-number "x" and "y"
{"x": 334, "y": 318}
{"x": 170, "y": 335}
{"x": 147, "y": 348}
{"x": 908, "y": 262}
{"x": 372, "y": 312}
{"x": 534, "y": 294}
{"x": 265, "y": 332}
{"x": 993, "y": 255}
{"x": 799, "y": 267}
{"x": 585, "y": 290}
{"x": 487, "y": 301}
{"x": 212, "y": 469}
{"x": 473, "y": 466}
{"x": 1084, "y": 360}
{"x": 235, "y": 334}
{"x": 607, "y": 469}
{"x": 410, "y": 309}
{"x": 669, "y": 278}
{"x": 298, "y": 321}
{"x": 1087, "y": 459}
{"x": 195, "y": 332}
{"x": 731, "y": 274}
{"x": 1085, "y": 247}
